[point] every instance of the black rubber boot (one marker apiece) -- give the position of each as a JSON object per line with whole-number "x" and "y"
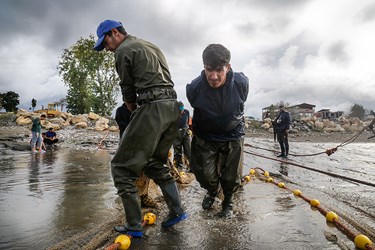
{"x": 208, "y": 200}
{"x": 226, "y": 207}
{"x": 133, "y": 214}
{"x": 173, "y": 200}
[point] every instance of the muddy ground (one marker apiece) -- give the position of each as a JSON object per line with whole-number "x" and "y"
{"x": 266, "y": 217}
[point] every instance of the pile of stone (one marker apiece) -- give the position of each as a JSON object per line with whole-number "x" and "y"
{"x": 307, "y": 124}
{"x": 90, "y": 121}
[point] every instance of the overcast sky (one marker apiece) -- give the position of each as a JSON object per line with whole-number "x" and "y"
{"x": 319, "y": 52}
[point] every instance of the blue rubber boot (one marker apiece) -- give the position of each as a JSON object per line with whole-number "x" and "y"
{"x": 173, "y": 219}
{"x": 133, "y": 215}
{"x": 173, "y": 200}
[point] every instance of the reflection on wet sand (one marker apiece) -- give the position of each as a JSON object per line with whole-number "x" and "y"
{"x": 47, "y": 198}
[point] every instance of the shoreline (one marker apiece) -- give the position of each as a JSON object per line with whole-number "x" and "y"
{"x": 316, "y": 137}
{"x": 17, "y": 137}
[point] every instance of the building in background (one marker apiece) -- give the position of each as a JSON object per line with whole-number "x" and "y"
{"x": 327, "y": 114}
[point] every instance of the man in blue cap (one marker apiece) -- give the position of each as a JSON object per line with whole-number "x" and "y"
{"x": 148, "y": 92}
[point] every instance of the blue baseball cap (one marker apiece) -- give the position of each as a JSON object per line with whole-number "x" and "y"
{"x": 101, "y": 31}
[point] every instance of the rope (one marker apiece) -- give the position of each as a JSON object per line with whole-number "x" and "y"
{"x": 328, "y": 151}
{"x": 315, "y": 170}
{"x": 332, "y": 150}
{"x": 339, "y": 224}
{"x": 102, "y": 140}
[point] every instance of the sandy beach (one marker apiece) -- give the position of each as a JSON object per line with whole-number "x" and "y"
{"x": 65, "y": 198}
{"x": 16, "y": 136}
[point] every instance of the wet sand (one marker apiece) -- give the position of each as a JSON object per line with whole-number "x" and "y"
{"x": 80, "y": 136}
{"x": 266, "y": 217}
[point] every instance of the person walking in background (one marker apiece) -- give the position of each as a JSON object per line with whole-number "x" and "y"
{"x": 36, "y": 136}
{"x": 182, "y": 142}
{"x": 149, "y": 94}
{"x": 218, "y": 96}
{"x": 282, "y": 122}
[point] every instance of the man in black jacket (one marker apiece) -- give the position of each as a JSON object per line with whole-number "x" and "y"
{"x": 282, "y": 123}
{"x": 182, "y": 142}
{"x": 218, "y": 96}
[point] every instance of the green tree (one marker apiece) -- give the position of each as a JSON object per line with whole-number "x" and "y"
{"x": 91, "y": 78}
{"x": 10, "y": 101}
{"x": 357, "y": 110}
{"x": 33, "y": 103}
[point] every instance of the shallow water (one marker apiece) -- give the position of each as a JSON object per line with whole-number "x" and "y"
{"x": 43, "y": 195}
{"x": 46, "y": 198}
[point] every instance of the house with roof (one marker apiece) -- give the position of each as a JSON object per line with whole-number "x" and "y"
{"x": 327, "y": 114}
{"x": 302, "y": 110}
{"x": 296, "y": 111}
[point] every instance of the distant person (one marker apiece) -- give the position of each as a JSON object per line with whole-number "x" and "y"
{"x": 148, "y": 91}
{"x": 282, "y": 123}
{"x": 218, "y": 96}
{"x": 51, "y": 137}
{"x": 36, "y": 136}
{"x": 122, "y": 118}
{"x": 182, "y": 142}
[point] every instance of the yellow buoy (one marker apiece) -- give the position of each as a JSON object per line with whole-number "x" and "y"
{"x": 252, "y": 171}
{"x": 266, "y": 174}
{"x": 361, "y": 241}
{"x": 149, "y": 218}
{"x": 124, "y": 241}
{"x": 247, "y": 178}
{"x": 297, "y": 192}
{"x": 269, "y": 179}
{"x": 314, "y": 203}
{"x": 330, "y": 216}
{"x": 281, "y": 185}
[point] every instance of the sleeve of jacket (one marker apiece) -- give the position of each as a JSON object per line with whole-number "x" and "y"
{"x": 192, "y": 90}
{"x": 244, "y": 85}
{"x": 124, "y": 64}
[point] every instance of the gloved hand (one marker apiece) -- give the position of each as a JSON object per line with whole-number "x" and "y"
{"x": 190, "y": 133}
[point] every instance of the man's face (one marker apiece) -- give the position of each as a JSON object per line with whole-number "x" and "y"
{"x": 112, "y": 41}
{"x": 216, "y": 76}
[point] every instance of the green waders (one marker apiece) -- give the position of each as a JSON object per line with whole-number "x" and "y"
{"x": 181, "y": 145}
{"x": 145, "y": 146}
{"x": 215, "y": 164}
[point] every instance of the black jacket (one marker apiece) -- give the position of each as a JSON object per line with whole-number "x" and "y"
{"x": 282, "y": 121}
{"x": 218, "y": 112}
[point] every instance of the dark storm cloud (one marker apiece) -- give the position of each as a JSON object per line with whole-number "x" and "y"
{"x": 275, "y": 4}
{"x": 53, "y": 24}
{"x": 367, "y": 14}
{"x": 278, "y": 24}
{"x": 247, "y": 28}
{"x": 336, "y": 53}
{"x": 305, "y": 49}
